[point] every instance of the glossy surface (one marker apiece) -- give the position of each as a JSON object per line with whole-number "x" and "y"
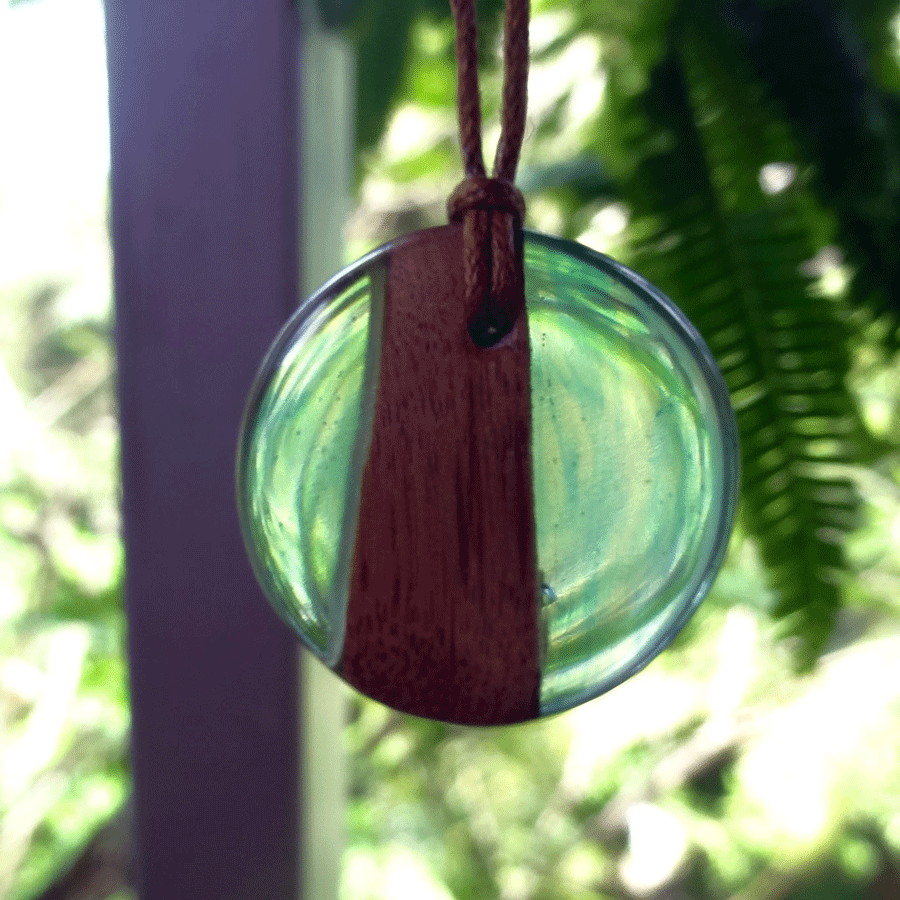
{"x": 634, "y": 449}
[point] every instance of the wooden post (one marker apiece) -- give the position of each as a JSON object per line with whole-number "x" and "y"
{"x": 204, "y": 187}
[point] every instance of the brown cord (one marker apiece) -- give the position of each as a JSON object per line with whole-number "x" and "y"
{"x": 491, "y": 209}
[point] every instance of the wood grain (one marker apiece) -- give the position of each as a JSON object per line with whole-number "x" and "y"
{"x": 442, "y": 617}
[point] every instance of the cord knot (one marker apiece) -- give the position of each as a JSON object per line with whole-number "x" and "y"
{"x": 491, "y": 209}
{"x": 488, "y": 194}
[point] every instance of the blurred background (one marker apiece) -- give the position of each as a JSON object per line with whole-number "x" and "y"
{"x": 742, "y": 154}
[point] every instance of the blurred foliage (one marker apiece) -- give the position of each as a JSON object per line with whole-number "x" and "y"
{"x": 742, "y": 154}
{"x": 384, "y": 37}
{"x": 63, "y": 703}
{"x": 64, "y": 708}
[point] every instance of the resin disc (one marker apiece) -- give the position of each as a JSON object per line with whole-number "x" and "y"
{"x": 633, "y": 460}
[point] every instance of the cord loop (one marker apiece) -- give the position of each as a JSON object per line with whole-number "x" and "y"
{"x": 487, "y": 194}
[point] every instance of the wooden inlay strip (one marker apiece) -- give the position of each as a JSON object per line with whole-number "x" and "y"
{"x": 442, "y": 617}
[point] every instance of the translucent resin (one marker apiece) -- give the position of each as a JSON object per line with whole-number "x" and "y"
{"x": 634, "y": 453}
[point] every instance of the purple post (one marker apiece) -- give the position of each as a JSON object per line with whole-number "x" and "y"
{"x": 203, "y": 118}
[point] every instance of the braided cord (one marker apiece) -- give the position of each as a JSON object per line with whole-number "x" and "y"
{"x": 491, "y": 209}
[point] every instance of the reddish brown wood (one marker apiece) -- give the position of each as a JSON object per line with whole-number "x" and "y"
{"x": 442, "y": 619}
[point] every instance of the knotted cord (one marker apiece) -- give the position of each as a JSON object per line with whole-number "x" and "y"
{"x": 491, "y": 208}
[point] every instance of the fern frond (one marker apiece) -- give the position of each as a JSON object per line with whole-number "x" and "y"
{"x": 732, "y": 258}
{"x": 811, "y": 56}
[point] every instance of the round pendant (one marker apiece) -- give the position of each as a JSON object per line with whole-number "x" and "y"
{"x": 632, "y": 460}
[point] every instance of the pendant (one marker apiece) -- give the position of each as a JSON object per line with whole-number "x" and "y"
{"x": 486, "y": 535}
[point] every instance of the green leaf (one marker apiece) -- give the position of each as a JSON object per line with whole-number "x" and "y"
{"x": 812, "y": 58}
{"x": 732, "y": 258}
{"x": 382, "y": 35}
{"x": 338, "y": 13}
{"x": 382, "y": 44}
{"x": 584, "y": 177}
{"x": 636, "y": 30}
